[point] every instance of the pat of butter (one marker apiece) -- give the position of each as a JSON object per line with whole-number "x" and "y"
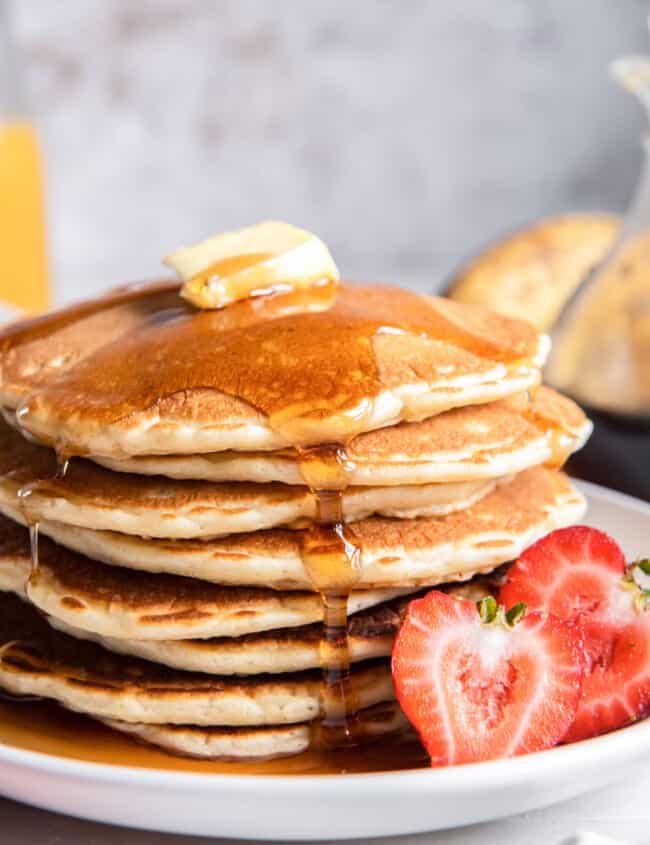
{"x": 235, "y": 265}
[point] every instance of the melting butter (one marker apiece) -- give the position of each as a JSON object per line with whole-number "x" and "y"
{"x": 263, "y": 258}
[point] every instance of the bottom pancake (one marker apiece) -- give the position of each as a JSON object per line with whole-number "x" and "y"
{"x": 36, "y": 660}
{"x": 255, "y": 743}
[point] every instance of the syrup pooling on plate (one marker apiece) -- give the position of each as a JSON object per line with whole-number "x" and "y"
{"x": 48, "y": 729}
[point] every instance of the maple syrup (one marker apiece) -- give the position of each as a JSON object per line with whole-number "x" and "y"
{"x": 32, "y": 523}
{"x": 559, "y": 437}
{"x": 212, "y": 276}
{"x": 33, "y": 546}
{"x": 47, "y": 728}
{"x": 23, "y": 495}
{"x": 34, "y": 328}
{"x": 331, "y": 557}
{"x": 298, "y": 363}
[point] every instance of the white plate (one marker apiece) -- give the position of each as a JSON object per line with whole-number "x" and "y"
{"x": 342, "y": 806}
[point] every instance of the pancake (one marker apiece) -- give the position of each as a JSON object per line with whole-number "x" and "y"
{"x": 370, "y": 632}
{"x": 15, "y": 558}
{"x": 142, "y": 372}
{"x": 241, "y": 743}
{"x": 91, "y": 496}
{"x": 370, "y": 636}
{"x": 532, "y": 273}
{"x": 405, "y": 553}
{"x": 37, "y": 660}
{"x": 125, "y": 603}
{"x": 464, "y": 444}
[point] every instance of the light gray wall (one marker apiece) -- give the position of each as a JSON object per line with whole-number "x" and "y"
{"x": 405, "y": 133}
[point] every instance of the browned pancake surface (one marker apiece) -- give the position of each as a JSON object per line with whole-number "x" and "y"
{"x": 23, "y": 462}
{"x": 31, "y": 645}
{"x": 157, "y": 356}
{"x": 395, "y": 553}
{"x": 183, "y": 597}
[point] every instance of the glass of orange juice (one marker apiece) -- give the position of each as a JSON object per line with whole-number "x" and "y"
{"x": 24, "y": 286}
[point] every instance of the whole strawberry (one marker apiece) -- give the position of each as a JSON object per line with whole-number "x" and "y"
{"x": 478, "y": 683}
{"x": 580, "y": 574}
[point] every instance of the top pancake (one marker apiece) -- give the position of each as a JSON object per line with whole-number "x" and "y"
{"x": 142, "y": 372}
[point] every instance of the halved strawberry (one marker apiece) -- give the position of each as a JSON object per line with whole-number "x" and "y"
{"x": 478, "y": 684}
{"x": 579, "y": 574}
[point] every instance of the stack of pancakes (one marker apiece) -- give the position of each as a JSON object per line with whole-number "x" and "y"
{"x": 206, "y": 488}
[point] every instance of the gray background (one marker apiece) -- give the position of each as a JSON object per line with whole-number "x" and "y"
{"x": 407, "y": 134}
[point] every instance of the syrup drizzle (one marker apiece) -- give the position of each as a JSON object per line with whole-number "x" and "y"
{"x": 33, "y": 547}
{"x": 305, "y": 359}
{"x": 23, "y": 495}
{"x": 331, "y": 557}
{"x": 560, "y": 437}
{"x": 211, "y": 278}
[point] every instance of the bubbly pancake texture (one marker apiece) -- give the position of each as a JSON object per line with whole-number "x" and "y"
{"x": 91, "y": 496}
{"x": 145, "y": 373}
{"x": 37, "y": 660}
{"x": 463, "y": 444}
{"x": 393, "y": 552}
{"x": 370, "y": 636}
{"x": 126, "y": 603}
{"x": 370, "y": 631}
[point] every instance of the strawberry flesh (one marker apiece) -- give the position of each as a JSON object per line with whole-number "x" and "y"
{"x": 577, "y": 573}
{"x": 477, "y": 691}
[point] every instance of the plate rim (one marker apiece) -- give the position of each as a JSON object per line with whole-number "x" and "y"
{"x": 507, "y": 771}
{"x": 634, "y": 737}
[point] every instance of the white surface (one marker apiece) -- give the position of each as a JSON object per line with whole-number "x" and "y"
{"x": 375, "y": 805}
{"x": 620, "y": 812}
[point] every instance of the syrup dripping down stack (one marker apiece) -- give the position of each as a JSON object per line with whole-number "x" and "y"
{"x": 233, "y": 506}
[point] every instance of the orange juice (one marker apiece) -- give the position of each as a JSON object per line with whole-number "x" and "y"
{"x": 23, "y": 272}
